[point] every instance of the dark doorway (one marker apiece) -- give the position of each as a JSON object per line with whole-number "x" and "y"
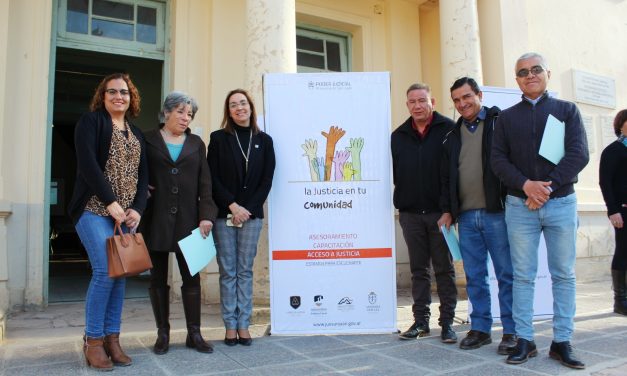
{"x": 77, "y": 74}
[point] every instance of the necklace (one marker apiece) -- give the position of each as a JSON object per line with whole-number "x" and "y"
{"x": 170, "y": 134}
{"x": 250, "y": 141}
{"x": 174, "y": 138}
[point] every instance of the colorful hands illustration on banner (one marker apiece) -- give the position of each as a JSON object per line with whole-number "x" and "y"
{"x": 340, "y": 158}
{"x": 347, "y": 161}
{"x": 348, "y": 171}
{"x": 356, "y": 144}
{"x": 311, "y": 150}
{"x": 334, "y": 135}
{"x": 318, "y": 164}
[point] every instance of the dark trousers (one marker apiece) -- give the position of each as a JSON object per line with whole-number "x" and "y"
{"x": 159, "y": 271}
{"x": 426, "y": 245}
{"x": 619, "y": 262}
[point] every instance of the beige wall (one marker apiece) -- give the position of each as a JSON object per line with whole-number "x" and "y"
{"x": 430, "y": 54}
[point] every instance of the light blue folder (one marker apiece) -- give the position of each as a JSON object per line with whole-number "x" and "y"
{"x": 452, "y": 241}
{"x": 552, "y": 146}
{"x": 198, "y": 252}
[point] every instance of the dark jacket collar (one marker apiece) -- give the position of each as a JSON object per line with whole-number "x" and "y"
{"x": 541, "y": 99}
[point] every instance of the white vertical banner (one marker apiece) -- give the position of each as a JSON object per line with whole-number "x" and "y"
{"x": 331, "y": 221}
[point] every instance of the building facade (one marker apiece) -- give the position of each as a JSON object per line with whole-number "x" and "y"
{"x": 53, "y": 53}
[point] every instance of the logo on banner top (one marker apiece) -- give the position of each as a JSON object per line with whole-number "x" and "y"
{"x": 329, "y": 85}
{"x": 318, "y": 300}
{"x": 295, "y": 301}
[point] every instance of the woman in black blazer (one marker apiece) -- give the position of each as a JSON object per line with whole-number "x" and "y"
{"x": 180, "y": 201}
{"x": 241, "y": 159}
{"x": 613, "y": 181}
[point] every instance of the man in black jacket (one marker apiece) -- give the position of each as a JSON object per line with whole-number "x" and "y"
{"x": 474, "y": 197}
{"x": 416, "y": 151}
{"x": 540, "y": 200}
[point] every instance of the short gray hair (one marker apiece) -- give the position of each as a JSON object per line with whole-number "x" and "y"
{"x": 418, "y": 86}
{"x": 174, "y": 100}
{"x": 531, "y": 55}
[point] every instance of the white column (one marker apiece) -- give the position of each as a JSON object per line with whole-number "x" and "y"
{"x": 5, "y": 211}
{"x": 460, "y": 47}
{"x": 270, "y": 48}
{"x": 270, "y": 42}
{"x": 4, "y": 40}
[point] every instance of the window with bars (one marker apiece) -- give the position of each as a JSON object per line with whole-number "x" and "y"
{"x": 318, "y": 51}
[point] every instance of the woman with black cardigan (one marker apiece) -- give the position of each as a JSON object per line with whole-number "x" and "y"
{"x": 111, "y": 186}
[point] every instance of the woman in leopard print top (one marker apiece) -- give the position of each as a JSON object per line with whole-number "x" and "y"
{"x": 111, "y": 186}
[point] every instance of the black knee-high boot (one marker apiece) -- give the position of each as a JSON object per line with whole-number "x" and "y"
{"x": 160, "y": 299}
{"x": 619, "y": 279}
{"x": 191, "y": 306}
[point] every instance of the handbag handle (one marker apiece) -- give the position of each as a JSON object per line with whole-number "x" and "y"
{"x": 123, "y": 238}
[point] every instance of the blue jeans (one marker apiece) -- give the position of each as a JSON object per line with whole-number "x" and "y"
{"x": 482, "y": 233}
{"x": 236, "y": 250}
{"x": 105, "y": 296}
{"x": 557, "y": 219}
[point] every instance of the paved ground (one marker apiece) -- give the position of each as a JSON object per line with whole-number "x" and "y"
{"x": 48, "y": 343}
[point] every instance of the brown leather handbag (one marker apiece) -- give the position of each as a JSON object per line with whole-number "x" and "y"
{"x": 127, "y": 254}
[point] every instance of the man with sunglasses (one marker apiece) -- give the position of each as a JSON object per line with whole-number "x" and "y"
{"x": 540, "y": 199}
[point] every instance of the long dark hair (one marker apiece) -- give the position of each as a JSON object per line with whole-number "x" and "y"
{"x": 228, "y": 123}
{"x": 97, "y": 102}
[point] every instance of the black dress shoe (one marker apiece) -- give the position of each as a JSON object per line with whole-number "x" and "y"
{"x": 563, "y": 352}
{"x": 448, "y": 335}
{"x": 415, "y": 331}
{"x": 245, "y": 341}
{"x": 507, "y": 345}
{"x": 522, "y": 352}
{"x": 230, "y": 341}
{"x": 475, "y": 339}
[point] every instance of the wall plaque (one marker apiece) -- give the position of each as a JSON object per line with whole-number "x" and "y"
{"x": 594, "y": 89}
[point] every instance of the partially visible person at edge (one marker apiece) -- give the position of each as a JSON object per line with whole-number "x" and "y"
{"x": 613, "y": 182}
{"x": 416, "y": 152}
{"x": 180, "y": 201}
{"x": 241, "y": 159}
{"x": 541, "y": 200}
{"x": 111, "y": 186}
{"x": 478, "y": 207}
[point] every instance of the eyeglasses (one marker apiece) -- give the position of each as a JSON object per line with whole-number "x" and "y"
{"x": 123, "y": 92}
{"x": 234, "y": 105}
{"x": 536, "y": 70}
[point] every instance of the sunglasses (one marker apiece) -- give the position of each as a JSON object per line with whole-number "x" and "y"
{"x": 536, "y": 70}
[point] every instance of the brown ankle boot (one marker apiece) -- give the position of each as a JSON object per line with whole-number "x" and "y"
{"x": 113, "y": 349}
{"x": 95, "y": 355}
